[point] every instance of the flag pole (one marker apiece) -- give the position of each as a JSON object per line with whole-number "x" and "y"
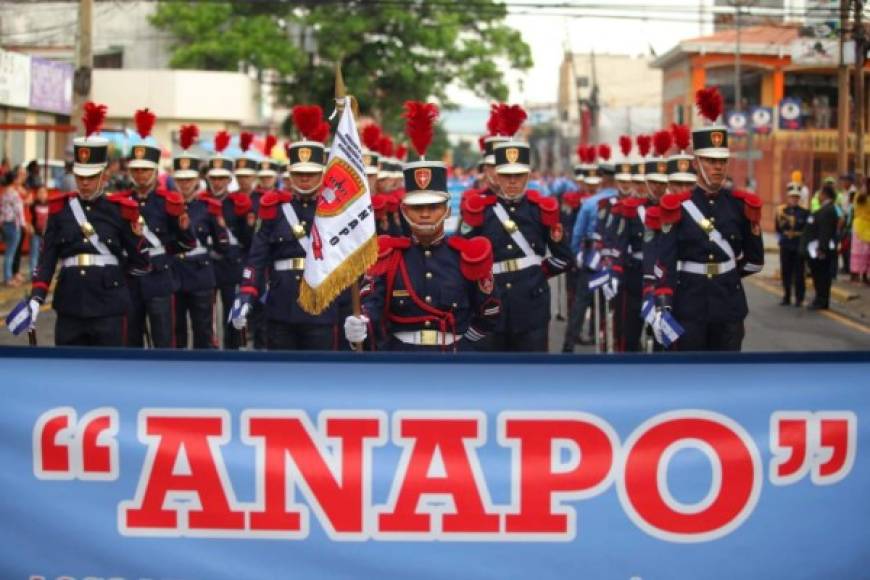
{"x": 340, "y": 94}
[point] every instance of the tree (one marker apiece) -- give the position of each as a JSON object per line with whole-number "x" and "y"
{"x": 391, "y": 50}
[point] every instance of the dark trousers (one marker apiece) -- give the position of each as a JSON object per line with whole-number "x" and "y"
{"x": 199, "y": 308}
{"x": 577, "y": 311}
{"x": 232, "y": 337}
{"x": 791, "y": 266}
{"x": 629, "y": 324}
{"x": 702, "y": 335}
{"x": 257, "y": 324}
{"x": 102, "y": 331}
{"x": 287, "y": 336}
{"x": 158, "y": 312}
{"x": 530, "y": 341}
{"x": 821, "y": 271}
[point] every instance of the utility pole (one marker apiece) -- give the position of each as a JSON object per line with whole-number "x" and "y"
{"x": 859, "y": 92}
{"x": 738, "y": 89}
{"x": 843, "y": 95}
{"x": 84, "y": 61}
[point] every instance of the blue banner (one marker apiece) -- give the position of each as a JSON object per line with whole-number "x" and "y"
{"x": 266, "y": 465}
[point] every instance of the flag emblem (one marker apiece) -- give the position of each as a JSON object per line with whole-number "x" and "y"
{"x": 717, "y": 138}
{"x": 138, "y": 152}
{"x": 422, "y": 177}
{"x": 83, "y": 155}
{"x": 512, "y": 154}
{"x": 304, "y": 154}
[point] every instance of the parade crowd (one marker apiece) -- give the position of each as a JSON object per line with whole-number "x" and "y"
{"x": 653, "y": 242}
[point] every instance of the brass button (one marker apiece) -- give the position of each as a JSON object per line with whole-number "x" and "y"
{"x": 304, "y": 223}
{"x": 428, "y": 275}
{"x": 427, "y": 253}
{"x": 427, "y": 324}
{"x": 711, "y": 257}
{"x": 510, "y": 246}
{"x": 428, "y": 299}
{"x": 115, "y": 283}
{"x": 280, "y": 239}
{"x": 455, "y": 305}
{"x": 513, "y": 208}
{"x": 304, "y": 204}
{"x": 508, "y": 285}
{"x": 82, "y": 272}
{"x": 298, "y": 278}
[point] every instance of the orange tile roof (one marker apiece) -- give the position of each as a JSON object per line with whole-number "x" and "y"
{"x": 769, "y": 35}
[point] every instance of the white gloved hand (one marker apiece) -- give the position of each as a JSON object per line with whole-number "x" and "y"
{"x": 356, "y": 328}
{"x": 34, "y": 312}
{"x": 579, "y": 259}
{"x": 657, "y": 327}
{"x": 239, "y": 314}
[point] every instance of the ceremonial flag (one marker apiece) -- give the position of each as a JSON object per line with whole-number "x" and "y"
{"x": 343, "y": 240}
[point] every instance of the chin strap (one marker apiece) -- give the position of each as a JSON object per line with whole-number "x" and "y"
{"x": 428, "y": 228}
{"x": 706, "y": 185}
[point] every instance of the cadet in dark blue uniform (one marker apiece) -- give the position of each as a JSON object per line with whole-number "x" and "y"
{"x": 428, "y": 292}
{"x": 95, "y": 239}
{"x": 240, "y": 226}
{"x": 521, "y": 225}
{"x": 711, "y": 239}
{"x": 166, "y": 229}
{"x": 791, "y": 219}
{"x": 194, "y": 269}
{"x": 277, "y": 260}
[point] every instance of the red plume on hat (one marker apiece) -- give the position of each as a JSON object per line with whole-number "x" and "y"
{"x": 511, "y": 118}
{"x": 93, "y": 117}
{"x": 493, "y": 124}
{"x": 604, "y": 152}
{"x": 144, "y": 120}
{"x": 482, "y": 143}
{"x": 245, "y": 140}
{"x": 709, "y": 103}
{"x": 644, "y": 143}
{"x": 401, "y": 152}
{"x": 625, "y": 145}
{"x": 221, "y": 141}
{"x": 321, "y": 133}
{"x": 581, "y": 153}
{"x": 371, "y": 136}
{"x": 307, "y": 119}
{"x": 681, "y": 135}
{"x": 188, "y": 134}
{"x": 662, "y": 142}
{"x": 420, "y": 124}
{"x": 271, "y": 141}
{"x": 287, "y": 146}
{"x": 385, "y": 146}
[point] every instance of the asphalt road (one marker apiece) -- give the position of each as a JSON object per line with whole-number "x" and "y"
{"x": 770, "y": 327}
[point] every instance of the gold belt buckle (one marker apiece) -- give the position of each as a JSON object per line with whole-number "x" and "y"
{"x": 298, "y": 263}
{"x": 511, "y": 265}
{"x": 88, "y": 229}
{"x": 429, "y": 337}
{"x": 712, "y": 269}
{"x": 298, "y": 231}
{"x": 84, "y": 260}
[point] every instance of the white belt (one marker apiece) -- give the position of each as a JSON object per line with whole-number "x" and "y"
{"x": 610, "y": 252}
{"x": 289, "y": 264}
{"x": 197, "y": 251}
{"x": 516, "y": 264}
{"x": 426, "y": 337}
{"x": 637, "y": 255}
{"x": 708, "y": 269}
{"x": 84, "y": 260}
{"x": 156, "y": 251}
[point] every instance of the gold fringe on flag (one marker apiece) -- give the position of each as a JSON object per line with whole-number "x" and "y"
{"x": 316, "y": 300}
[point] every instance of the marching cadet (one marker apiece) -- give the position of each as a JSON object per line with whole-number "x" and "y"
{"x": 710, "y": 239}
{"x": 268, "y": 170}
{"x": 681, "y": 170}
{"x": 96, "y": 239}
{"x": 428, "y": 292}
{"x": 194, "y": 269}
{"x": 820, "y": 237}
{"x": 576, "y": 275}
{"x": 239, "y": 222}
{"x": 278, "y": 255}
{"x": 791, "y": 219}
{"x": 521, "y": 225}
{"x": 166, "y": 228}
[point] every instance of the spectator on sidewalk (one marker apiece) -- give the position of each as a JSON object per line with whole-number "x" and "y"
{"x": 845, "y": 198}
{"x": 860, "y": 258}
{"x": 821, "y": 247}
{"x": 34, "y": 179}
{"x": 38, "y": 222}
{"x": 12, "y": 214}
{"x": 68, "y": 182}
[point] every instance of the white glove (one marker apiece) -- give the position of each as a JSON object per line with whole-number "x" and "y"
{"x": 239, "y": 314}
{"x": 34, "y": 312}
{"x": 356, "y": 328}
{"x": 611, "y": 288}
{"x": 579, "y": 259}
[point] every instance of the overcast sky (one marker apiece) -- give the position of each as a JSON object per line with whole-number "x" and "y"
{"x": 547, "y": 34}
